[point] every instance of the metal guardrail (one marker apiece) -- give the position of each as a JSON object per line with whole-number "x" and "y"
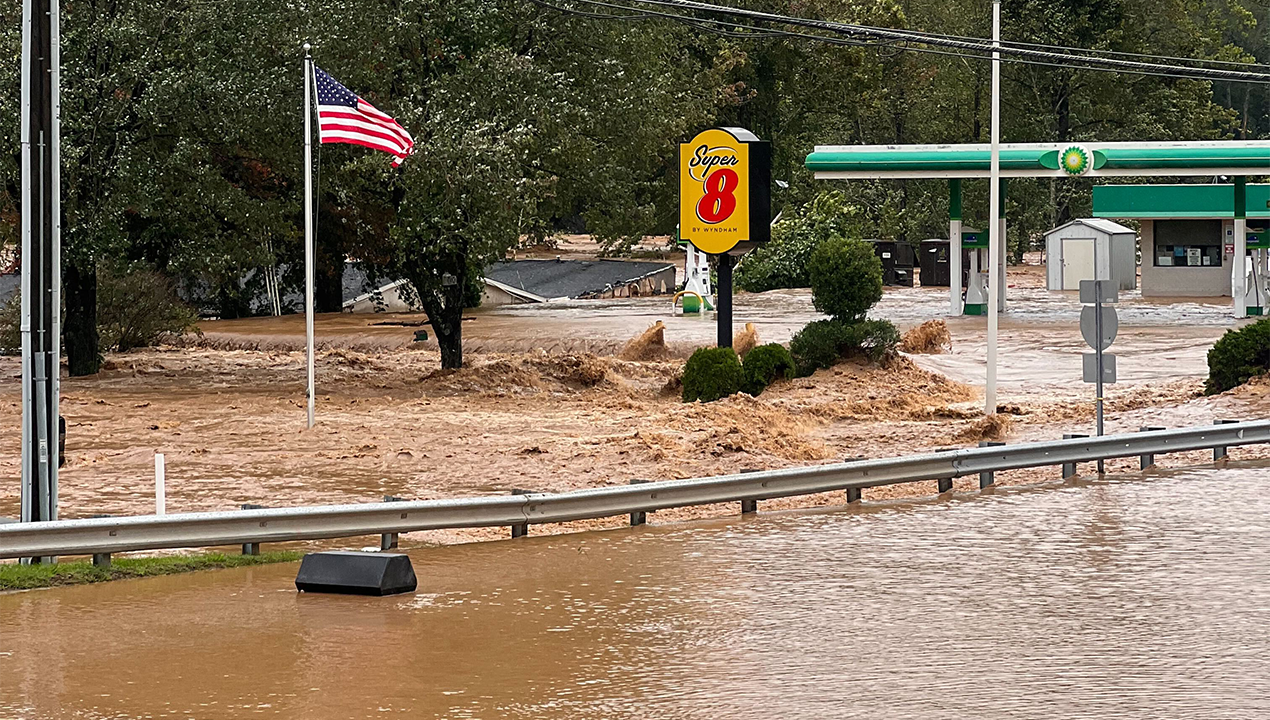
{"x": 100, "y": 536}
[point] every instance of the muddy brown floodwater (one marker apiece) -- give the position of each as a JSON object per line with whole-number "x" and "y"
{"x": 1129, "y": 598}
{"x": 545, "y": 405}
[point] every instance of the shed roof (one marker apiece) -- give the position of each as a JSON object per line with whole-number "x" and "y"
{"x": 570, "y": 278}
{"x": 1102, "y": 225}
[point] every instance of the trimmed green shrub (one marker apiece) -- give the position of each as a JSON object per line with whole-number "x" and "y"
{"x": 782, "y": 263}
{"x": 823, "y": 343}
{"x": 874, "y": 339}
{"x": 712, "y": 373}
{"x": 818, "y": 345}
{"x": 846, "y": 278}
{"x": 1238, "y": 356}
{"x": 766, "y": 364}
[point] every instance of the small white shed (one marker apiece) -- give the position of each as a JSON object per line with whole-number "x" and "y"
{"x": 1079, "y": 249}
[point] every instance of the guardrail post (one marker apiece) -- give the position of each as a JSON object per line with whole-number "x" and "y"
{"x": 1147, "y": 460}
{"x": 1219, "y": 452}
{"x": 749, "y": 507}
{"x": 389, "y": 541}
{"x": 987, "y": 478}
{"x": 251, "y": 548}
{"x": 522, "y": 529}
{"x": 101, "y": 560}
{"x": 945, "y": 484}
{"x": 853, "y": 495}
{"x": 638, "y": 517}
{"x": 1069, "y": 469}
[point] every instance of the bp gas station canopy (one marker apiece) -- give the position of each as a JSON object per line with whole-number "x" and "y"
{"x": 1092, "y": 160}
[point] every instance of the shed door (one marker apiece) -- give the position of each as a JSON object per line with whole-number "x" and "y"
{"x": 1078, "y": 261}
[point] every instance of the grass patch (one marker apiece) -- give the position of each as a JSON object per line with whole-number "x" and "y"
{"x": 26, "y": 577}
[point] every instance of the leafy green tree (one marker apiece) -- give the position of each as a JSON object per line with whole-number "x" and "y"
{"x": 783, "y": 262}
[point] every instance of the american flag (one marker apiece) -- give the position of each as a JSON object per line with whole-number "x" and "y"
{"x": 345, "y": 118}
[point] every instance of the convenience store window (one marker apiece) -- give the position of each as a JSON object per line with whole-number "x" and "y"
{"x": 1188, "y": 243}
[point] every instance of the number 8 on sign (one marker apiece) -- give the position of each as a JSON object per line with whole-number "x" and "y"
{"x": 719, "y": 202}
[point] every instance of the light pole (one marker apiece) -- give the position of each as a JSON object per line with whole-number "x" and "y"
{"x": 41, "y": 259}
{"x": 995, "y": 239}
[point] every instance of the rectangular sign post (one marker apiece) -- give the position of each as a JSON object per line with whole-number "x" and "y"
{"x": 725, "y": 204}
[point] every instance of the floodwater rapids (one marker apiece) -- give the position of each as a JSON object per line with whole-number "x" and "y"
{"x": 1133, "y": 597}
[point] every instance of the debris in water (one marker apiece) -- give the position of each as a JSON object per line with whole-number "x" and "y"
{"x": 991, "y": 427}
{"x": 929, "y": 338}
{"x": 649, "y": 345}
{"x": 746, "y": 341}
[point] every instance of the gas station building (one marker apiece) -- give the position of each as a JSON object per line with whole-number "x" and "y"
{"x": 1188, "y": 237}
{"x": 1191, "y": 234}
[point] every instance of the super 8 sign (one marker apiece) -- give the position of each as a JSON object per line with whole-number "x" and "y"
{"x": 724, "y": 190}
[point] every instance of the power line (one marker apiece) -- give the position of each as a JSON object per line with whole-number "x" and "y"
{"x": 975, "y": 48}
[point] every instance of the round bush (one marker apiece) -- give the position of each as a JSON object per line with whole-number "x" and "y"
{"x": 824, "y": 343}
{"x": 818, "y": 345}
{"x": 712, "y": 373}
{"x": 846, "y": 278}
{"x": 766, "y": 364}
{"x": 1237, "y": 356}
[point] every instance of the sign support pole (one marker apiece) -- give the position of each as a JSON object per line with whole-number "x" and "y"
{"x": 994, "y": 227}
{"x": 723, "y": 296}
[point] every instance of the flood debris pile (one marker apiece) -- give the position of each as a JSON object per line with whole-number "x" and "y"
{"x": 524, "y": 374}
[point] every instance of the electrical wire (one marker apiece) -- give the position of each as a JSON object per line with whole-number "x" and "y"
{"x": 863, "y": 35}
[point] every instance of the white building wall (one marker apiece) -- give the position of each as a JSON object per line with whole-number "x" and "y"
{"x": 1183, "y": 281}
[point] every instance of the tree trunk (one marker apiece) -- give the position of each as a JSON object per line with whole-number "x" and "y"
{"x": 445, "y": 315}
{"x": 451, "y": 344}
{"x": 83, "y": 351}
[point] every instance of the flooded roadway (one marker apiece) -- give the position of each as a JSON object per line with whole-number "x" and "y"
{"x": 1130, "y": 598}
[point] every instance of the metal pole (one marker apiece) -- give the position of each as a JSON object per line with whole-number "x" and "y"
{"x": 723, "y": 294}
{"x": 954, "y": 247}
{"x": 1098, "y": 349}
{"x": 308, "y": 223}
{"x": 41, "y": 258}
{"x": 1239, "y": 274}
{"x": 994, "y": 227}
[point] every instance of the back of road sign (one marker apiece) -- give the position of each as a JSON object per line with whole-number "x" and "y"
{"x": 1089, "y": 326}
{"x": 1090, "y": 364}
{"x": 1108, "y": 291}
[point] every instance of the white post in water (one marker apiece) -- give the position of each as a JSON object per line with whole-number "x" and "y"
{"x": 994, "y": 226}
{"x": 308, "y": 223}
{"x": 160, "y": 486}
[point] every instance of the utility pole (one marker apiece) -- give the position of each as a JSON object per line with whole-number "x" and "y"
{"x": 996, "y": 242}
{"x": 41, "y": 259}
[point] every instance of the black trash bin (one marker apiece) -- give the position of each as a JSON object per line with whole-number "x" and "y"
{"x": 897, "y": 262}
{"x": 935, "y": 268}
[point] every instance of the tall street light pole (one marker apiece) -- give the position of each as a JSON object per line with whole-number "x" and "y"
{"x": 41, "y": 261}
{"x": 995, "y": 240}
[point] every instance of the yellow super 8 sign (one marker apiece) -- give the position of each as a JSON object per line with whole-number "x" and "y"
{"x": 724, "y": 179}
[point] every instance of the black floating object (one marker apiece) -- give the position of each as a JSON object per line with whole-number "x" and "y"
{"x": 356, "y": 573}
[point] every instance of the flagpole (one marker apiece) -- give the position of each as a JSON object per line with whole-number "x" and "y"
{"x": 308, "y": 222}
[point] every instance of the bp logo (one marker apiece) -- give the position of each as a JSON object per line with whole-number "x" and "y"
{"x": 1074, "y": 160}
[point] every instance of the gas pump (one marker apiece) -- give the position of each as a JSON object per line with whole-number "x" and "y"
{"x": 1257, "y": 282}
{"x": 697, "y": 295}
{"x": 976, "y": 241}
